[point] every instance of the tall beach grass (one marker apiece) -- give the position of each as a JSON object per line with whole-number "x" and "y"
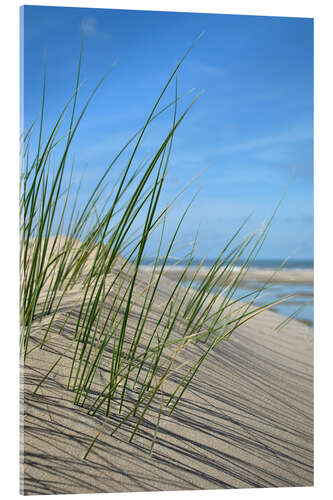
{"x": 95, "y": 251}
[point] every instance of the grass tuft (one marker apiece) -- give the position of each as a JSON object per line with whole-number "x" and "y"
{"x": 150, "y": 351}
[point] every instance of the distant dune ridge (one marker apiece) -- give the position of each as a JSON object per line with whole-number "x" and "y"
{"x": 246, "y": 420}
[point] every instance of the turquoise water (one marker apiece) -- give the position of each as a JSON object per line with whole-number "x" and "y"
{"x": 302, "y": 302}
{"x": 259, "y": 263}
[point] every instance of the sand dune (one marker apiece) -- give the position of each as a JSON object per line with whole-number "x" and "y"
{"x": 246, "y": 421}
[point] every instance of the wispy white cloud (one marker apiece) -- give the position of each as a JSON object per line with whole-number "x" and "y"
{"x": 89, "y": 27}
{"x": 294, "y": 134}
{"x": 223, "y": 175}
{"x": 206, "y": 68}
{"x": 109, "y": 143}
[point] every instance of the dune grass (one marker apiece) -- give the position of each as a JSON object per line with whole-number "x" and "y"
{"x": 66, "y": 247}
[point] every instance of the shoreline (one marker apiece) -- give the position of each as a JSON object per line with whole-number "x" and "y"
{"x": 291, "y": 275}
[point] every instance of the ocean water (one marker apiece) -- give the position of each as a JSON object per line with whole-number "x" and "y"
{"x": 300, "y": 305}
{"x": 259, "y": 263}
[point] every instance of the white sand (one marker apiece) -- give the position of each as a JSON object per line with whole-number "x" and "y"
{"x": 247, "y": 420}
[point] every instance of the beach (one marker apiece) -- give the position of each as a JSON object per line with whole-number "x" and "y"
{"x": 246, "y": 421}
{"x": 294, "y": 275}
{"x": 294, "y": 280}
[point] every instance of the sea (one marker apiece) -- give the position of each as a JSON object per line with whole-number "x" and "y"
{"x": 299, "y": 306}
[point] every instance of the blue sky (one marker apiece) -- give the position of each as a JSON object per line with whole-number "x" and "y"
{"x": 253, "y": 125}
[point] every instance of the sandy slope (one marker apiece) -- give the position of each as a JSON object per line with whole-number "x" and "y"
{"x": 247, "y": 420}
